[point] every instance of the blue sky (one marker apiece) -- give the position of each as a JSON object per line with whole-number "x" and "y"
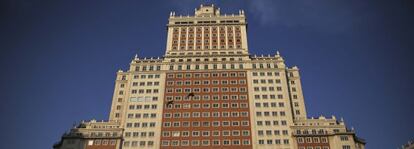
{"x": 59, "y": 59}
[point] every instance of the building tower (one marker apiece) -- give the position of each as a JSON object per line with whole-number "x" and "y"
{"x": 208, "y": 91}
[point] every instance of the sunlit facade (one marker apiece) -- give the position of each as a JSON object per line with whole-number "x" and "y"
{"x": 208, "y": 91}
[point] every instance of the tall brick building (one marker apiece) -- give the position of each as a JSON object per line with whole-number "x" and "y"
{"x": 208, "y": 91}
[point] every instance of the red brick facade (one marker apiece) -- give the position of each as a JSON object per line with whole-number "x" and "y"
{"x": 205, "y": 110}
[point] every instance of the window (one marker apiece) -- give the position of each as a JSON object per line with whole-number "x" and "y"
{"x": 206, "y": 142}
{"x": 324, "y": 140}
{"x": 242, "y": 89}
{"x": 300, "y": 140}
{"x": 175, "y": 143}
{"x": 269, "y": 141}
{"x": 225, "y": 123}
{"x": 165, "y": 143}
{"x": 185, "y": 134}
{"x": 277, "y": 141}
{"x": 236, "y": 142}
{"x": 206, "y": 133}
{"x": 285, "y": 141}
{"x": 196, "y": 133}
{"x": 316, "y": 140}
{"x": 196, "y": 114}
{"x": 344, "y": 138}
{"x": 195, "y": 142}
{"x": 186, "y": 124}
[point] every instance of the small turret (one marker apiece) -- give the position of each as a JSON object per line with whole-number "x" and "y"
{"x": 207, "y": 11}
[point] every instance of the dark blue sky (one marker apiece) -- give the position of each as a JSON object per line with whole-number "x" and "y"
{"x": 59, "y": 59}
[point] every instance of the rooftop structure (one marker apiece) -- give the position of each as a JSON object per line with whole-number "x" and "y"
{"x": 92, "y": 134}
